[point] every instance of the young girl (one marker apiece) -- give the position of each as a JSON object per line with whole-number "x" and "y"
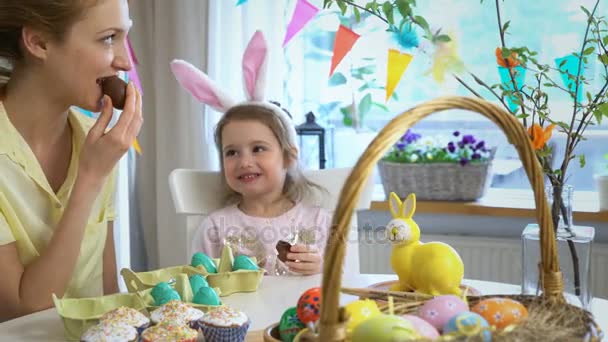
{"x": 259, "y": 160}
{"x": 56, "y": 179}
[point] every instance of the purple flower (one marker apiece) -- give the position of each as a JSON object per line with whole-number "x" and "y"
{"x": 480, "y": 145}
{"x": 468, "y": 139}
{"x": 409, "y": 137}
{"x": 461, "y": 144}
{"x": 476, "y": 156}
{"x": 464, "y": 161}
{"x": 451, "y": 147}
{"x": 400, "y": 146}
{"x": 456, "y": 133}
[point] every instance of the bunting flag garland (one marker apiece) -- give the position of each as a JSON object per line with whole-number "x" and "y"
{"x": 519, "y": 76}
{"x": 303, "y": 13}
{"x": 240, "y": 2}
{"x": 345, "y": 39}
{"x": 397, "y": 63}
{"x": 445, "y": 60}
{"x": 569, "y": 68}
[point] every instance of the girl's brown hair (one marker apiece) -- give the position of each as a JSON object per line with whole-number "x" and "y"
{"x": 297, "y": 186}
{"x": 54, "y": 17}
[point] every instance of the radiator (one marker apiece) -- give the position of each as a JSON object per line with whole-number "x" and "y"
{"x": 491, "y": 259}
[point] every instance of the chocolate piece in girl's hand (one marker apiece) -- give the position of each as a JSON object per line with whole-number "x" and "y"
{"x": 283, "y": 247}
{"x": 116, "y": 89}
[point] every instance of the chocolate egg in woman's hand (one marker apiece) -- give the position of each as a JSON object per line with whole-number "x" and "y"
{"x": 116, "y": 89}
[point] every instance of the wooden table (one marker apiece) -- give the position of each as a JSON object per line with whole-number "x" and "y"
{"x": 264, "y": 307}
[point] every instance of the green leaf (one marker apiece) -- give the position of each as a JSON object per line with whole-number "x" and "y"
{"x": 381, "y": 106}
{"x": 506, "y": 26}
{"x": 586, "y": 11}
{"x": 443, "y": 38}
{"x": 342, "y": 6}
{"x": 357, "y": 14}
{"x": 588, "y": 50}
{"x": 387, "y": 8}
{"x": 365, "y": 105}
{"x": 603, "y": 108}
{"x": 347, "y": 118}
{"x": 421, "y": 22}
{"x": 604, "y": 58}
{"x": 337, "y": 79}
{"x": 581, "y": 160}
{"x": 605, "y": 40}
{"x": 404, "y": 8}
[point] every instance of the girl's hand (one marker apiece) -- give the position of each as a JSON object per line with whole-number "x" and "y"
{"x": 304, "y": 259}
{"x": 102, "y": 150}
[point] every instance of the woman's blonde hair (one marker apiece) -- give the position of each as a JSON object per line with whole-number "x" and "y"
{"x": 297, "y": 187}
{"x": 54, "y": 17}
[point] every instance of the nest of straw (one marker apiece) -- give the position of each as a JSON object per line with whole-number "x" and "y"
{"x": 548, "y": 320}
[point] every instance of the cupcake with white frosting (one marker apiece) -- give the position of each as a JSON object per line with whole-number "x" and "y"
{"x": 167, "y": 331}
{"x": 110, "y": 331}
{"x": 127, "y": 316}
{"x": 177, "y": 312}
{"x": 224, "y": 324}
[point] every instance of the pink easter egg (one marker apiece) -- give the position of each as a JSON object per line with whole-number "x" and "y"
{"x": 424, "y": 328}
{"x": 439, "y": 310}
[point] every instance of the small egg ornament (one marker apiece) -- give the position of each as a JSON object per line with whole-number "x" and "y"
{"x": 424, "y": 328}
{"x": 243, "y": 262}
{"x": 358, "y": 311}
{"x": 290, "y": 325}
{"x": 164, "y": 293}
{"x": 202, "y": 259}
{"x": 439, "y": 310}
{"x": 501, "y": 312}
{"x": 309, "y": 305}
{"x": 196, "y": 282}
{"x": 206, "y": 296}
{"x": 384, "y": 328}
{"x": 468, "y": 324}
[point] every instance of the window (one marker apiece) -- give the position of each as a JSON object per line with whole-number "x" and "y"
{"x": 553, "y": 29}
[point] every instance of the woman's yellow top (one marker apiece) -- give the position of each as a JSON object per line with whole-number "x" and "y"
{"x": 30, "y": 209}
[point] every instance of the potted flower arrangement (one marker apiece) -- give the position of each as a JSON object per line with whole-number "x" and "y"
{"x": 437, "y": 168}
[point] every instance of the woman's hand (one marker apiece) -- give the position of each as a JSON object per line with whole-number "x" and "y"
{"x": 304, "y": 259}
{"x": 102, "y": 150}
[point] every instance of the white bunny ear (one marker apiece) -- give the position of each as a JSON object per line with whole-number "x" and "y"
{"x": 201, "y": 86}
{"x": 254, "y": 67}
{"x": 395, "y": 204}
{"x": 409, "y": 206}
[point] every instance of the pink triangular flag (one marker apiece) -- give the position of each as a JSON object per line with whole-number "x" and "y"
{"x": 303, "y": 13}
{"x": 133, "y": 76}
{"x": 345, "y": 39}
{"x": 397, "y": 63}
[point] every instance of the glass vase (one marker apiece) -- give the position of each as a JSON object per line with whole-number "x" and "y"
{"x": 574, "y": 245}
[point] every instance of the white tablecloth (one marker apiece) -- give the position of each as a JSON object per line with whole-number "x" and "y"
{"x": 264, "y": 307}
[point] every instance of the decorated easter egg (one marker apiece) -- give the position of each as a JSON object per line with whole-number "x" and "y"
{"x": 439, "y": 310}
{"x": 243, "y": 262}
{"x": 164, "y": 293}
{"x": 358, "y": 311}
{"x": 501, "y": 312}
{"x": 206, "y": 296}
{"x": 384, "y": 328}
{"x": 424, "y": 328}
{"x": 202, "y": 259}
{"x": 290, "y": 325}
{"x": 197, "y": 281}
{"x": 468, "y": 324}
{"x": 309, "y": 305}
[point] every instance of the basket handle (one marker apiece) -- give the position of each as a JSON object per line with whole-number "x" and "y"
{"x": 331, "y": 320}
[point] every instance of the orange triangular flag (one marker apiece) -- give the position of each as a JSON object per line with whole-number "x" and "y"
{"x": 345, "y": 39}
{"x": 136, "y": 146}
{"x": 397, "y": 63}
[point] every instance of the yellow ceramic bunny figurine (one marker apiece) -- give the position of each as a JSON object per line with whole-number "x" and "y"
{"x": 433, "y": 268}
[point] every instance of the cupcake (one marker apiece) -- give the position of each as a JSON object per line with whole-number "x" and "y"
{"x": 128, "y": 316}
{"x": 110, "y": 331}
{"x": 169, "y": 332}
{"x": 177, "y": 312}
{"x": 224, "y": 324}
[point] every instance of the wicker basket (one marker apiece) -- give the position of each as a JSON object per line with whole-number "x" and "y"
{"x": 332, "y": 321}
{"x": 435, "y": 181}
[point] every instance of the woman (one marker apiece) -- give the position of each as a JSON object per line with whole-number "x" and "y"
{"x": 56, "y": 179}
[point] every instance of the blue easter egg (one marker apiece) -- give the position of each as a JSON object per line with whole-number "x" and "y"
{"x": 468, "y": 324}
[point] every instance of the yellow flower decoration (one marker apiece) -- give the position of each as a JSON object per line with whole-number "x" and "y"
{"x": 539, "y": 135}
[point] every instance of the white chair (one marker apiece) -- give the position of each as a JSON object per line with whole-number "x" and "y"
{"x": 195, "y": 194}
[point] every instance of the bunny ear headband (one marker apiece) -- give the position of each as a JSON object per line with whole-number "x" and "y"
{"x": 254, "y": 77}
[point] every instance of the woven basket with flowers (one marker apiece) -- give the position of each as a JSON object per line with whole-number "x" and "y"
{"x": 550, "y": 318}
